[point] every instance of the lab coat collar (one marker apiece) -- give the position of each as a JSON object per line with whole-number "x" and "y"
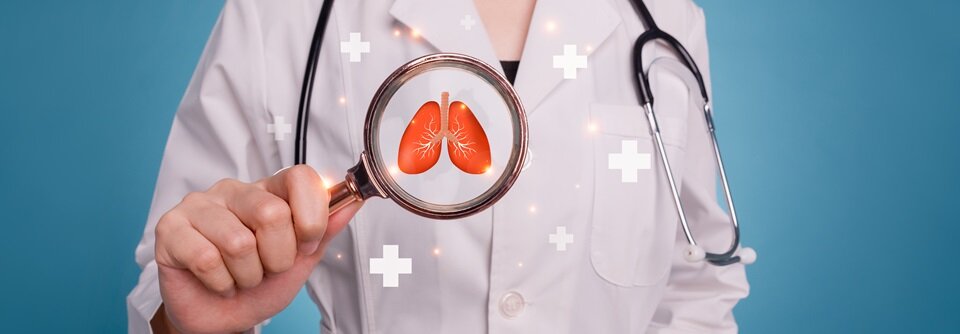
{"x": 438, "y": 22}
{"x": 555, "y": 23}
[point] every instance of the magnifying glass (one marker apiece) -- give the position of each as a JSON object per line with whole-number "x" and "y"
{"x": 445, "y": 137}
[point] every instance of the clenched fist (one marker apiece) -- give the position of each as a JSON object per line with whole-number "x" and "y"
{"x": 238, "y": 253}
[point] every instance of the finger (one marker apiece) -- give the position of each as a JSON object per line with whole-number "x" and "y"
{"x": 303, "y": 189}
{"x": 236, "y": 242}
{"x": 268, "y": 216}
{"x": 195, "y": 253}
{"x": 338, "y": 221}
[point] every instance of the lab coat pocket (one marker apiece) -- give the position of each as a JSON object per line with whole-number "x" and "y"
{"x": 634, "y": 221}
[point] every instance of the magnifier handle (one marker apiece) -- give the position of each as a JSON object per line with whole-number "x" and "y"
{"x": 343, "y": 194}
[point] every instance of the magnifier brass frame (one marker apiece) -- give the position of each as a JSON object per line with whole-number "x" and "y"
{"x": 368, "y": 177}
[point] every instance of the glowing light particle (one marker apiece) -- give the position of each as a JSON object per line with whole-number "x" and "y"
{"x": 325, "y": 182}
{"x": 592, "y": 127}
{"x": 488, "y": 170}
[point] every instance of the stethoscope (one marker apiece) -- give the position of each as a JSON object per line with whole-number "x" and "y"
{"x": 367, "y": 180}
{"x": 693, "y": 252}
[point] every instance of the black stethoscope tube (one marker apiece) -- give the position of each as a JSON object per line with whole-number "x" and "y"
{"x": 306, "y": 92}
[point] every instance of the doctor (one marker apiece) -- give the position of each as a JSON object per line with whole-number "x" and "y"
{"x": 578, "y": 245}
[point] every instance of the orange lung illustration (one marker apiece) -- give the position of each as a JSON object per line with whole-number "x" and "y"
{"x": 467, "y": 143}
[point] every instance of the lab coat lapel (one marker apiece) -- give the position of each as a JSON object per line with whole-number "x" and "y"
{"x": 556, "y": 23}
{"x": 438, "y": 22}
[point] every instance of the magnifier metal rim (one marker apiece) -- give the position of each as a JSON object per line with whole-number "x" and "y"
{"x": 376, "y": 167}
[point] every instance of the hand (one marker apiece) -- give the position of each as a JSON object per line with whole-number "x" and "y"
{"x": 237, "y": 254}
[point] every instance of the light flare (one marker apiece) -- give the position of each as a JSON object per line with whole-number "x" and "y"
{"x": 488, "y": 170}
{"x": 325, "y": 182}
{"x": 592, "y": 127}
{"x": 551, "y": 26}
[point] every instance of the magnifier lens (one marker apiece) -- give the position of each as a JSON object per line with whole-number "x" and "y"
{"x": 445, "y": 136}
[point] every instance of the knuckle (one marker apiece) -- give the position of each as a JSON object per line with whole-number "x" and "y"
{"x": 272, "y": 212}
{"x": 206, "y": 261}
{"x": 300, "y": 174}
{"x": 240, "y": 244}
{"x": 167, "y": 225}
{"x": 162, "y": 230}
{"x": 225, "y": 184}
{"x": 194, "y": 197}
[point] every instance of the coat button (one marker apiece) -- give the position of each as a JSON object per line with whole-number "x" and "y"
{"x": 511, "y": 304}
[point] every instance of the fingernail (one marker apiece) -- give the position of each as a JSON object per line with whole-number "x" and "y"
{"x": 308, "y": 248}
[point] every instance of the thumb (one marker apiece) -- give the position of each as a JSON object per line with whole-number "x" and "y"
{"x": 339, "y": 220}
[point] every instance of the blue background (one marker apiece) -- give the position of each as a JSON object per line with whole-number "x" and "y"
{"x": 838, "y": 120}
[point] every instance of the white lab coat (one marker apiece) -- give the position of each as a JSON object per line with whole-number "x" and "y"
{"x": 623, "y": 272}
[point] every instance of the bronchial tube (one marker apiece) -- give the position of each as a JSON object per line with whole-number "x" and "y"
{"x": 444, "y": 111}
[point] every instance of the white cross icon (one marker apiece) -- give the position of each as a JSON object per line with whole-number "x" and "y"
{"x": 569, "y": 61}
{"x": 391, "y": 265}
{"x": 629, "y": 161}
{"x": 561, "y": 238}
{"x": 279, "y": 128}
{"x": 355, "y": 47}
{"x": 467, "y": 22}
